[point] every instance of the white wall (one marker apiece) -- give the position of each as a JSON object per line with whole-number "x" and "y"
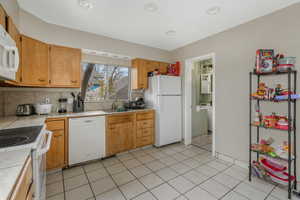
{"x": 36, "y": 28}
{"x": 235, "y": 57}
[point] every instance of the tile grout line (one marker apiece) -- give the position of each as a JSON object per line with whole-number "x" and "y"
{"x": 150, "y": 153}
{"x": 147, "y": 190}
{"x": 270, "y": 192}
{"x": 89, "y": 183}
{"x": 179, "y": 174}
{"x": 117, "y": 186}
{"x": 64, "y": 189}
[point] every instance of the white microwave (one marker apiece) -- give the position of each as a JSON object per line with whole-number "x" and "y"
{"x": 9, "y": 56}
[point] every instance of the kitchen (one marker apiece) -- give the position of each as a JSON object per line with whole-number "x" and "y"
{"x": 85, "y": 116}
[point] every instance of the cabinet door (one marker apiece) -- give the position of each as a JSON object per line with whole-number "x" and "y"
{"x": 120, "y": 138}
{"x": 2, "y": 17}
{"x": 163, "y": 67}
{"x": 15, "y": 34}
{"x": 126, "y": 133}
{"x": 65, "y": 66}
{"x": 56, "y": 154}
{"x": 139, "y": 76}
{"x": 152, "y": 65}
{"x": 34, "y": 62}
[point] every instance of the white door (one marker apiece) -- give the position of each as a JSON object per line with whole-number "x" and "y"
{"x": 168, "y": 124}
{"x": 169, "y": 85}
{"x": 86, "y": 139}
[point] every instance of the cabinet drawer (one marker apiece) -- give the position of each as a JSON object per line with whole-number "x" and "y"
{"x": 143, "y": 141}
{"x": 144, "y": 116}
{"x": 144, "y": 132}
{"x": 56, "y": 125}
{"x": 120, "y": 119}
{"x": 144, "y": 124}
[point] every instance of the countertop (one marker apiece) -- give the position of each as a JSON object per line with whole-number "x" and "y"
{"x": 39, "y": 120}
{"x": 11, "y": 165}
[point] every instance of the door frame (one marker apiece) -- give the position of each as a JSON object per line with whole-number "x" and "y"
{"x": 188, "y": 99}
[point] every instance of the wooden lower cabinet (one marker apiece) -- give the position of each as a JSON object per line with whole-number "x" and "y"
{"x": 145, "y": 128}
{"x": 23, "y": 189}
{"x": 56, "y": 156}
{"x": 120, "y": 133}
{"x": 129, "y": 131}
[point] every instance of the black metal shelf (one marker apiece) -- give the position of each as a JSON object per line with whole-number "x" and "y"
{"x": 273, "y": 100}
{"x": 277, "y": 129}
{"x": 274, "y": 73}
{"x": 291, "y": 160}
{"x": 278, "y": 157}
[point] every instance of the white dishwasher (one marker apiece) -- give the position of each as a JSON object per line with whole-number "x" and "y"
{"x": 86, "y": 139}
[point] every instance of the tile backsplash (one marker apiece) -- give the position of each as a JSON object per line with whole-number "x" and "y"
{"x": 11, "y": 97}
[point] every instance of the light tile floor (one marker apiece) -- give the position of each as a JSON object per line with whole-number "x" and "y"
{"x": 203, "y": 141}
{"x": 172, "y": 172}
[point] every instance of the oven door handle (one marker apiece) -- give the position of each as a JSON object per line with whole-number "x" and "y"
{"x": 48, "y": 144}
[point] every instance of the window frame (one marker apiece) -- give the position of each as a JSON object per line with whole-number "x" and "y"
{"x": 108, "y": 65}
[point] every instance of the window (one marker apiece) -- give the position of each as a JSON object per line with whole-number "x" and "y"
{"x": 107, "y": 82}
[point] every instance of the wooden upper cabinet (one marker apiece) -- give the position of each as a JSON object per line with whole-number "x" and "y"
{"x": 15, "y": 35}
{"x": 65, "y": 66}
{"x": 152, "y": 65}
{"x": 163, "y": 67}
{"x": 34, "y": 62}
{"x": 140, "y": 70}
{"x": 139, "y": 76}
{"x": 2, "y": 17}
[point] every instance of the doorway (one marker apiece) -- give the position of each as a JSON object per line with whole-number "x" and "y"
{"x": 200, "y": 102}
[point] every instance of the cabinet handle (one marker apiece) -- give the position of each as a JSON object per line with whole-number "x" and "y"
{"x": 41, "y": 80}
{"x": 73, "y": 81}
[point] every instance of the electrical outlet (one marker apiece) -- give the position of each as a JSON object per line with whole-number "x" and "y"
{"x": 70, "y": 100}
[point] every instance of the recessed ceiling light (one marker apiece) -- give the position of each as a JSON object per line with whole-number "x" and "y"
{"x": 151, "y": 7}
{"x": 213, "y": 10}
{"x": 171, "y": 33}
{"x": 87, "y": 4}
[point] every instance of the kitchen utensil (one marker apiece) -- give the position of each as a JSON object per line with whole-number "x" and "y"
{"x": 78, "y": 103}
{"x": 62, "y": 107}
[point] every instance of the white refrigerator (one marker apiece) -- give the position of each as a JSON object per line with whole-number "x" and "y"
{"x": 164, "y": 95}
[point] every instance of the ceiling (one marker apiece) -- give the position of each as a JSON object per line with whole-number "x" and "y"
{"x": 129, "y": 21}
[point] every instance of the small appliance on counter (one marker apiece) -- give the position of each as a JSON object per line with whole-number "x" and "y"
{"x": 62, "y": 107}
{"x": 43, "y": 109}
{"x": 25, "y": 110}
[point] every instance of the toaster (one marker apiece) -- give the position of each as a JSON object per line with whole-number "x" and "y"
{"x": 25, "y": 110}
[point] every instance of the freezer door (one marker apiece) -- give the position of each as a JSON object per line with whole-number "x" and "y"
{"x": 168, "y": 120}
{"x": 169, "y": 85}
